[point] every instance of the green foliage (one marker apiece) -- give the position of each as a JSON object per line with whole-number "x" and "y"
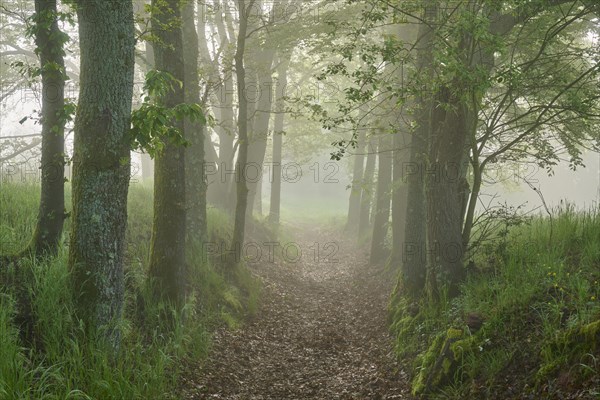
{"x": 539, "y": 100}
{"x": 42, "y": 21}
{"x": 153, "y": 124}
{"x": 34, "y": 72}
{"x": 67, "y": 114}
{"x": 554, "y": 76}
{"x": 156, "y": 10}
{"x": 538, "y": 301}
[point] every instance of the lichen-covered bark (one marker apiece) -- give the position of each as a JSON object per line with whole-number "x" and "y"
{"x": 49, "y": 42}
{"x": 167, "y": 249}
{"x": 102, "y": 162}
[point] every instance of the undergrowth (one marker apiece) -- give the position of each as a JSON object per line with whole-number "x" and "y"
{"x": 527, "y": 321}
{"x": 57, "y": 361}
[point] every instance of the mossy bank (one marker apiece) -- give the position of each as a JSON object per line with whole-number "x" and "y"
{"x": 527, "y": 322}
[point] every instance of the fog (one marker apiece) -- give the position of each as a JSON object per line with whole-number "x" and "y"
{"x": 299, "y": 199}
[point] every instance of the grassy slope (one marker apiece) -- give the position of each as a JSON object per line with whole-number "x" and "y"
{"x": 538, "y": 297}
{"x": 66, "y": 365}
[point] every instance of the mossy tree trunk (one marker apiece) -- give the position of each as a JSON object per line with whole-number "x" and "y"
{"x": 49, "y": 45}
{"x": 167, "y": 249}
{"x": 102, "y": 163}
{"x": 194, "y": 133}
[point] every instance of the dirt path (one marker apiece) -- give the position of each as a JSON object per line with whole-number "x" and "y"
{"x": 321, "y": 333}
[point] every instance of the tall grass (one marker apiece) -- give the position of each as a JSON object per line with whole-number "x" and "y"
{"x": 538, "y": 294}
{"x": 61, "y": 362}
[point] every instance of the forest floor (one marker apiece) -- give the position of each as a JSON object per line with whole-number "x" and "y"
{"x": 321, "y": 332}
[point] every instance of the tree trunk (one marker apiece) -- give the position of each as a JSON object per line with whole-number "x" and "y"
{"x": 220, "y": 179}
{"x": 257, "y": 145}
{"x": 366, "y": 190}
{"x": 261, "y": 60}
{"x": 454, "y": 120}
{"x": 49, "y": 42}
{"x": 194, "y": 133}
{"x": 241, "y": 187}
{"x": 258, "y": 206}
{"x": 401, "y": 154}
{"x": 352, "y": 222}
{"x": 226, "y": 140}
{"x": 102, "y": 163}
{"x": 414, "y": 263}
{"x": 167, "y": 249}
{"x": 443, "y": 188}
{"x": 278, "y": 129}
{"x": 406, "y": 33}
{"x": 382, "y": 211}
{"x": 147, "y": 163}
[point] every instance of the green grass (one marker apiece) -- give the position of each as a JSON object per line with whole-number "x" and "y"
{"x": 64, "y": 364}
{"x": 539, "y": 298}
